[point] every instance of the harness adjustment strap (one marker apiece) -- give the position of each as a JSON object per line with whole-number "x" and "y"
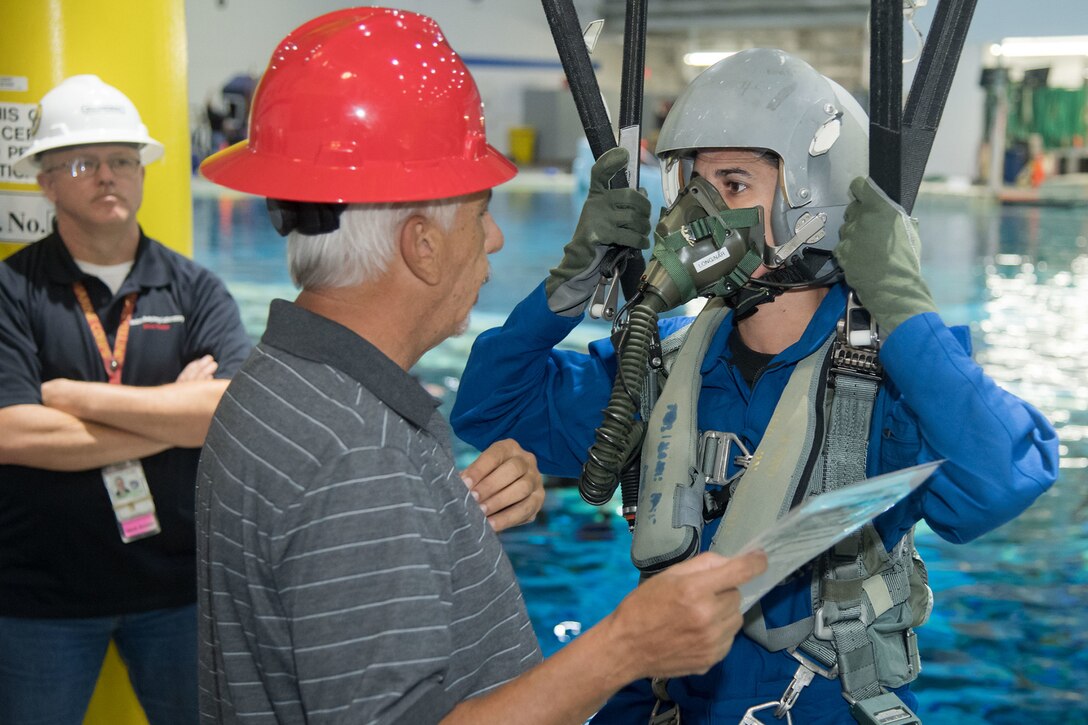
{"x": 688, "y": 506}
{"x": 857, "y": 660}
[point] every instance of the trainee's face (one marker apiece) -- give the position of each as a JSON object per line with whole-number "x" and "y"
{"x": 744, "y": 178}
{"x": 106, "y": 197}
{"x": 474, "y": 235}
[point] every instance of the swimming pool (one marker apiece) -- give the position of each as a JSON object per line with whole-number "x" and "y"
{"x": 1006, "y": 643}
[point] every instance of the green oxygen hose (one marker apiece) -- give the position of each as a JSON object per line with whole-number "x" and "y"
{"x": 619, "y": 434}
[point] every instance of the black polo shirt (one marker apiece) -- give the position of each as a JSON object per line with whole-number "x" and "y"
{"x": 60, "y": 552}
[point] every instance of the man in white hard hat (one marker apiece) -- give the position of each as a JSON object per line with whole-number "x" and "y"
{"x": 114, "y": 352}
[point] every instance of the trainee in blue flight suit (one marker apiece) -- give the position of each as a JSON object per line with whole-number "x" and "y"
{"x": 935, "y": 403}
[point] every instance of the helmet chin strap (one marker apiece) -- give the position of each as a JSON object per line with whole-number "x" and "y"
{"x": 795, "y": 274}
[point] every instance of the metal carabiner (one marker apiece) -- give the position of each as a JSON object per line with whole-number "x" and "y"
{"x": 606, "y": 295}
{"x": 750, "y": 715}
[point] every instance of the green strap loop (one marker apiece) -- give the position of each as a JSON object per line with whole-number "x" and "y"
{"x": 671, "y": 263}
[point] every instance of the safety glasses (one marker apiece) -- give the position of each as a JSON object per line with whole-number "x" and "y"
{"x": 82, "y": 167}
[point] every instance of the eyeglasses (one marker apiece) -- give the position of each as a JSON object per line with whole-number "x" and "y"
{"x": 78, "y": 168}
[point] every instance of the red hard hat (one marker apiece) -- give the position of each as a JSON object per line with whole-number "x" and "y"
{"x": 364, "y": 105}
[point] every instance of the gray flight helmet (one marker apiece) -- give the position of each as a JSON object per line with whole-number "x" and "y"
{"x": 767, "y": 99}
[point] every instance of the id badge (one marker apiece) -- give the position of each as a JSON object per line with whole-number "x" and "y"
{"x": 131, "y": 499}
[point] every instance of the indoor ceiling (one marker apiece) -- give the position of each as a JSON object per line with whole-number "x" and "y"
{"x": 832, "y": 35}
{"x": 670, "y": 16}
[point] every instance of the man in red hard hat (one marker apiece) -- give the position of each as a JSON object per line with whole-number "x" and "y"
{"x": 346, "y": 573}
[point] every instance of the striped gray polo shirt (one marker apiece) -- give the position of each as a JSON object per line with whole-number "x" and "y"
{"x": 345, "y": 573}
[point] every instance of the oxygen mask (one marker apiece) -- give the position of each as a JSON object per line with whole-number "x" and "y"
{"x": 702, "y": 248}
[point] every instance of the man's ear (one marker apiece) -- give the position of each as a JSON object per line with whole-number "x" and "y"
{"x": 45, "y": 181}
{"x": 420, "y": 242}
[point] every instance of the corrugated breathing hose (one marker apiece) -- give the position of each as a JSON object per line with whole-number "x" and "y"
{"x": 619, "y": 434}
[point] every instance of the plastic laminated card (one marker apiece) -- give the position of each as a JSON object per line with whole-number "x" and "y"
{"x": 820, "y": 522}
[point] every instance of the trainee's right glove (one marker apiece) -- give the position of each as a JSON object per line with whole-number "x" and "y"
{"x": 609, "y": 217}
{"x": 880, "y": 253}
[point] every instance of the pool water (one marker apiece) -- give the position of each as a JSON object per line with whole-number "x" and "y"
{"x": 1007, "y": 642}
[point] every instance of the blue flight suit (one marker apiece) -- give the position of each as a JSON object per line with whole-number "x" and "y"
{"x": 936, "y": 402}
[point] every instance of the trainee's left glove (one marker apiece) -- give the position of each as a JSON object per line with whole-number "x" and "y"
{"x": 609, "y": 217}
{"x": 881, "y": 255}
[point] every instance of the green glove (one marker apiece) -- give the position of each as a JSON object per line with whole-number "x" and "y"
{"x": 881, "y": 255}
{"x": 609, "y": 217}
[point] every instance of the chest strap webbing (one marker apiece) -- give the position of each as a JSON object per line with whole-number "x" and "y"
{"x": 782, "y": 468}
{"x": 778, "y": 474}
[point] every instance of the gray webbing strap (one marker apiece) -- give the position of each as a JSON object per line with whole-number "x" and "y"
{"x": 848, "y": 432}
{"x": 778, "y": 638}
{"x": 844, "y": 608}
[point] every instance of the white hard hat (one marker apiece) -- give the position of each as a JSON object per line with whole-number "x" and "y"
{"x": 84, "y": 110}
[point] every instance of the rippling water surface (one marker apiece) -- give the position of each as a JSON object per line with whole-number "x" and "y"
{"x": 1007, "y": 642}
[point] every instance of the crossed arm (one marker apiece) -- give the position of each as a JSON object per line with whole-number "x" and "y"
{"x": 81, "y": 425}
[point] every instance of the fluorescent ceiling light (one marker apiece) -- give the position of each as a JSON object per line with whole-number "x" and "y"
{"x": 708, "y": 57}
{"x": 1069, "y": 45}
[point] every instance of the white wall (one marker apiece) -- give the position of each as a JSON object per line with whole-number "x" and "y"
{"x": 230, "y": 36}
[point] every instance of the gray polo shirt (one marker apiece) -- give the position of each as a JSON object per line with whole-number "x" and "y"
{"x": 345, "y": 573}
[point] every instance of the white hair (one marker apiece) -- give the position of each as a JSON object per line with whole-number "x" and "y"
{"x": 361, "y": 248}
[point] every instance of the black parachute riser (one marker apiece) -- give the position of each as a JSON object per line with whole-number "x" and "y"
{"x": 567, "y": 34}
{"x": 570, "y": 44}
{"x": 930, "y": 89}
{"x": 900, "y": 140}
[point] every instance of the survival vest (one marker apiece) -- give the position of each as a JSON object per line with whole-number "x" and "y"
{"x": 865, "y": 600}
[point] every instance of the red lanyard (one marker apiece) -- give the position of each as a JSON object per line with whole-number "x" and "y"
{"x": 112, "y": 360}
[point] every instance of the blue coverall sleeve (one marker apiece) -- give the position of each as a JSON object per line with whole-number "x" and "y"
{"x": 516, "y": 386}
{"x": 1000, "y": 452}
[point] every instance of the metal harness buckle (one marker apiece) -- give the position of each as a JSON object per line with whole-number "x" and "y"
{"x": 884, "y": 709}
{"x": 750, "y": 715}
{"x": 671, "y": 714}
{"x": 857, "y": 344}
{"x": 807, "y": 670}
{"x": 714, "y": 457}
{"x": 801, "y": 679}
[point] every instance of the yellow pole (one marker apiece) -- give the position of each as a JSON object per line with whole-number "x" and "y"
{"x": 139, "y": 47}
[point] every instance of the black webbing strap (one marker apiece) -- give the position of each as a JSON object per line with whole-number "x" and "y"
{"x": 631, "y": 92}
{"x": 569, "y": 42}
{"x": 886, "y": 96}
{"x": 930, "y": 89}
{"x": 567, "y": 33}
{"x": 900, "y": 141}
